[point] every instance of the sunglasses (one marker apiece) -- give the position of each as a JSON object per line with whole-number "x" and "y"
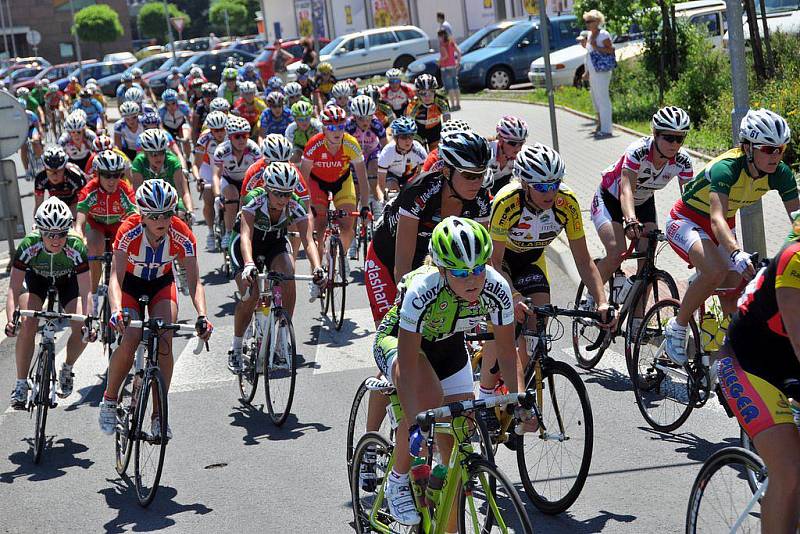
{"x": 217, "y": 130}
{"x": 303, "y": 119}
{"x": 669, "y": 138}
{"x": 546, "y": 187}
{"x": 158, "y": 153}
{"x": 464, "y": 273}
{"x": 302, "y": 77}
{"x": 111, "y": 175}
{"x": 472, "y": 175}
{"x": 55, "y": 235}
{"x": 404, "y": 136}
{"x": 160, "y": 216}
{"x": 513, "y": 143}
{"x": 394, "y": 80}
{"x": 335, "y": 127}
{"x": 238, "y": 136}
{"x": 769, "y": 149}
{"x": 281, "y": 194}
{"x": 425, "y": 93}
{"x": 276, "y": 106}
{"x": 52, "y": 171}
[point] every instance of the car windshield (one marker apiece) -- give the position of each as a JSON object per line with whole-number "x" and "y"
{"x": 776, "y": 6}
{"x": 170, "y": 63}
{"x": 150, "y": 66}
{"x": 23, "y": 73}
{"x": 510, "y": 36}
{"x": 330, "y": 47}
{"x": 481, "y": 38}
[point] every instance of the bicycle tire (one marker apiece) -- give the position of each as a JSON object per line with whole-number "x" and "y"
{"x": 338, "y": 280}
{"x": 126, "y": 416}
{"x": 355, "y": 422}
{"x": 248, "y": 378}
{"x": 747, "y": 444}
{"x": 330, "y": 268}
{"x": 274, "y": 375}
{"x": 741, "y": 460}
{"x": 362, "y": 506}
{"x": 505, "y": 497}
{"x": 587, "y": 331}
{"x": 549, "y": 491}
{"x": 653, "y": 296}
{"x": 144, "y": 493}
{"x": 647, "y": 371}
{"x": 42, "y": 402}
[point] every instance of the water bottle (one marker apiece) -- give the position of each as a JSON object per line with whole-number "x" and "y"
{"x": 420, "y": 476}
{"x": 617, "y": 284}
{"x": 367, "y": 477}
{"x": 627, "y": 284}
{"x": 435, "y": 484}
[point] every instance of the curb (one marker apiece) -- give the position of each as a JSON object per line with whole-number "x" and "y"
{"x": 693, "y": 153}
{"x": 559, "y": 253}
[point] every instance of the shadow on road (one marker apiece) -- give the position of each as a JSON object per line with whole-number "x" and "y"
{"x": 214, "y": 278}
{"x": 89, "y": 395}
{"x": 121, "y": 496}
{"x": 258, "y": 424}
{"x": 611, "y": 379}
{"x": 566, "y": 523}
{"x": 56, "y": 459}
{"x": 695, "y": 447}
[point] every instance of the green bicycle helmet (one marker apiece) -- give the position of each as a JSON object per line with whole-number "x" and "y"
{"x": 229, "y": 73}
{"x": 460, "y": 243}
{"x": 302, "y": 110}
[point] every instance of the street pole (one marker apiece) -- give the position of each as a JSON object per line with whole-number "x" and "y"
{"x": 169, "y": 34}
{"x": 77, "y": 41}
{"x": 753, "y": 238}
{"x": 11, "y": 28}
{"x": 227, "y": 24}
{"x": 544, "y": 29}
{"x": 5, "y": 35}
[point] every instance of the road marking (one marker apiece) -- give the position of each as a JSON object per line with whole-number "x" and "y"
{"x": 198, "y": 371}
{"x": 350, "y": 348}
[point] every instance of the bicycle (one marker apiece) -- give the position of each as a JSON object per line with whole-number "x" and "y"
{"x": 101, "y": 307}
{"x": 667, "y": 393}
{"x": 42, "y": 374}
{"x": 642, "y": 290}
{"x": 335, "y": 288}
{"x": 35, "y": 165}
{"x": 270, "y": 322}
{"x": 484, "y": 498}
{"x": 134, "y": 413}
{"x": 219, "y": 233}
{"x": 364, "y": 232}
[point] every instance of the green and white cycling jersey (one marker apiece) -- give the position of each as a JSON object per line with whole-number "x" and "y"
{"x": 256, "y": 203}
{"x": 299, "y": 138}
{"x": 427, "y": 306}
{"x": 167, "y": 172}
{"x": 32, "y": 256}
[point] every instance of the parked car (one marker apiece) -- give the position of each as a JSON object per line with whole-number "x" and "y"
{"x": 782, "y": 16}
{"x": 263, "y": 60}
{"x": 21, "y": 75}
{"x": 211, "y": 62}
{"x": 148, "y": 51}
{"x": 148, "y": 64}
{"x": 505, "y": 60}
{"x": 429, "y": 63}
{"x": 198, "y": 44}
{"x": 373, "y": 51}
{"x": 94, "y": 70}
{"x": 253, "y": 46}
{"x": 52, "y": 73}
{"x": 30, "y": 59}
{"x": 121, "y": 56}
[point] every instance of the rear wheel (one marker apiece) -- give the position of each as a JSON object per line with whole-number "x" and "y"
{"x": 660, "y": 286}
{"x": 280, "y": 370}
{"x": 248, "y": 378}
{"x": 587, "y": 336}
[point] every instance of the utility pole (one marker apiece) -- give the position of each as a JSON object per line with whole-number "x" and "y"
{"x": 544, "y": 29}
{"x": 753, "y": 238}
{"x": 5, "y": 35}
{"x": 227, "y": 24}
{"x": 11, "y": 27}
{"x": 169, "y": 33}
{"x": 77, "y": 41}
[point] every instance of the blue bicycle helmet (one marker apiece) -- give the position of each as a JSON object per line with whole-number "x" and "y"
{"x": 404, "y": 126}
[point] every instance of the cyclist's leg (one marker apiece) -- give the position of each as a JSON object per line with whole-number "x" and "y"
{"x": 345, "y": 199}
{"x": 96, "y": 245}
{"x": 122, "y": 357}
{"x": 243, "y": 311}
{"x": 372, "y": 174}
{"x": 68, "y": 293}
{"x": 32, "y": 300}
{"x": 208, "y": 195}
{"x": 231, "y": 194}
{"x": 284, "y": 263}
{"x": 607, "y": 221}
{"x": 165, "y": 305}
{"x": 320, "y": 221}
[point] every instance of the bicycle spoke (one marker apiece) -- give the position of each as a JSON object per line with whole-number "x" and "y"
{"x": 488, "y": 502}
{"x": 281, "y": 369}
{"x": 149, "y": 451}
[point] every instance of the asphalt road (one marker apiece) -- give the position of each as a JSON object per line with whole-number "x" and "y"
{"x": 229, "y": 469}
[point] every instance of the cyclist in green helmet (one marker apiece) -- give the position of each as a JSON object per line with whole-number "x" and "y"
{"x": 304, "y": 127}
{"x": 229, "y": 88}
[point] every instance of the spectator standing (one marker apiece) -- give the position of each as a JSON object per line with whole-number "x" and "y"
{"x": 449, "y": 62}
{"x": 310, "y": 56}
{"x": 600, "y": 62}
{"x": 280, "y": 59}
{"x": 443, "y": 24}
{"x": 213, "y": 41}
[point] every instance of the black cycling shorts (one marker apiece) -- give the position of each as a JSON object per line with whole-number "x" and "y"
{"x": 67, "y": 287}
{"x": 528, "y": 271}
{"x": 645, "y": 213}
{"x": 269, "y": 248}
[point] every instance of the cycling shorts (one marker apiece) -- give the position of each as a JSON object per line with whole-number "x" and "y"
{"x": 606, "y": 208}
{"x": 448, "y": 358}
{"x": 67, "y": 286}
{"x": 270, "y": 248}
{"x": 344, "y": 191}
{"x": 158, "y": 289}
{"x": 528, "y": 271}
{"x": 381, "y": 288}
{"x": 683, "y": 233}
{"x": 207, "y": 174}
{"x": 757, "y": 402}
{"x": 224, "y": 182}
{"x": 81, "y": 163}
{"x": 108, "y": 230}
{"x": 429, "y": 135}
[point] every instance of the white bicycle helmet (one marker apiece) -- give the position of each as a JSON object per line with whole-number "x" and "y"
{"x": 156, "y": 196}
{"x": 281, "y": 176}
{"x": 453, "y": 126}
{"x": 129, "y": 108}
{"x": 248, "y": 88}
{"x": 109, "y": 161}
{"x": 671, "y": 119}
{"x": 154, "y": 140}
{"x": 237, "y": 125}
{"x": 55, "y": 157}
{"x": 538, "y": 164}
{"x": 276, "y": 147}
{"x": 75, "y": 122}
{"x": 53, "y": 216}
{"x": 394, "y": 74}
{"x": 134, "y": 94}
{"x": 340, "y": 90}
{"x": 195, "y": 72}
{"x": 275, "y": 98}
{"x": 216, "y": 120}
{"x": 102, "y": 142}
{"x": 764, "y": 127}
{"x": 511, "y": 128}
{"x": 293, "y": 89}
{"x": 219, "y": 104}
{"x": 362, "y": 106}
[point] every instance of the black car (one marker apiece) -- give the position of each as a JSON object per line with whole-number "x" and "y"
{"x": 212, "y": 64}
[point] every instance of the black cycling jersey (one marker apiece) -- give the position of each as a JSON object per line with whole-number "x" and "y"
{"x": 68, "y": 190}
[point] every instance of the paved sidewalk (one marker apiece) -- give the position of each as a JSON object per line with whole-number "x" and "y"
{"x": 585, "y": 158}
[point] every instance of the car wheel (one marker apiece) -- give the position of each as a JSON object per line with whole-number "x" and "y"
{"x": 403, "y": 62}
{"x": 499, "y": 78}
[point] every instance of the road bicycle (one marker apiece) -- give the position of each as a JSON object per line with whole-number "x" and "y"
{"x": 42, "y": 373}
{"x": 364, "y": 232}
{"x": 631, "y": 296}
{"x": 35, "y": 165}
{"x": 135, "y": 411}
{"x": 269, "y": 347}
{"x": 101, "y": 307}
{"x": 334, "y": 290}
{"x": 481, "y": 496}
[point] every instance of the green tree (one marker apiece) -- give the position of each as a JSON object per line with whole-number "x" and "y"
{"x": 98, "y": 24}
{"x": 151, "y": 20}
{"x": 239, "y": 17}
{"x": 620, "y": 15}
{"x": 198, "y": 12}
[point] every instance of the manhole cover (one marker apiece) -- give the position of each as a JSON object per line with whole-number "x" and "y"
{"x": 216, "y": 466}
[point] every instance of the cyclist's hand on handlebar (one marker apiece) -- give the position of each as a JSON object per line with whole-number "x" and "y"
{"x": 249, "y": 272}
{"x": 11, "y": 329}
{"x": 204, "y": 327}
{"x": 117, "y": 321}
{"x": 529, "y": 422}
{"x": 741, "y": 263}
{"x": 319, "y": 276}
{"x": 633, "y": 229}
{"x": 521, "y": 309}
{"x": 88, "y": 334}
{"x": 608, "y": 317}
{"x": 365, "y": 211}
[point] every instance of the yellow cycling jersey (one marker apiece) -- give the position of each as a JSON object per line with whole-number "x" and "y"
{"x": 523, "y": 229}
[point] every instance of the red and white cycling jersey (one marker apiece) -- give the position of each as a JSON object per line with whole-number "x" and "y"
{"x": 638, "y": 157}
{"x": 147, "y": 262}
{"x": 398, "y": 98}
{"x": 206, "y": 145}
{"x": 233, "y": 169}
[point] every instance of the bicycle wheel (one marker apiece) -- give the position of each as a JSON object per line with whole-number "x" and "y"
{"x": 587, "y": 337}
{"x": 280, "y": 370}
{"x": 721, "y": 493}
{"x": 553, "y": 470}
{"x": 660, "y": 386}
{"x": 371, "y": 460}
{"x": 124, "y": 429}
{"x": 330, "y": 268}
{"x": 108, "y": 335}
{"x": 661, "y": 285}
{"x": 367, "y": 238}
{"x": 248, "y": 378}
{"x": 42, "y": 401}
{"x": 357, "y": 422}
{"x": 338, "y": 287}
{"x": 486, "y": 509}
{"x": 747, "y": 444}
{"x": 149, "y": 451}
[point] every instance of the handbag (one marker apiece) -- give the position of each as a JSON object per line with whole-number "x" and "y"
{"x": 603, "y": 62}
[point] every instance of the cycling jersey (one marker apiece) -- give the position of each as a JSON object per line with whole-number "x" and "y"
{"x": 398, "y": 98}
{"x": 167, "y": 171}
{"x": 73, "y": 89}
{"x": 324, "y": 87}
{"x": 172, "y": 120}
{"x": 638, "y": 158}
{"x": 524, "y": 229}
{"x": 254, "y": 76}
{"x": 206, "y": 145}
{"x": 30, "y": 103}
{"x": 201, "y": 111}
{"x": 501, "y": 175}
{"x": 270, "y": 124}
{"x": 299, "y": 138}
{"x": 727, "y": 174}
{"x": 385, "y": 114}
{"x": 327, "y": 167}
{"x": 256, "y": 203}
{"x": 78, "y": 152}
{"x": 428, "y": 117}
{"x": 128, "y": 137}
{"x": 32, "y": 256}
{"x": 54, "y": 99}
{"x": 252, "y": 111}
{"x": 152, "y": 262}
{"x": 33, "y": 122}
{"x": 174, "y": 81}
{"x": 228, "y": 94}
{"x": 103, "y": 207}
{"x": 92, "y": 108}
{"x": 233, "y": 169}
{"x": 121, "y": 89}
{"x": 67, "y": 190}
{"x": 402, "y": 167}
{"x": 432, "y": 162}
{"x": 254, "y": 177}
{"x": 370, "y": 139}
{"x": 37, "y": 94}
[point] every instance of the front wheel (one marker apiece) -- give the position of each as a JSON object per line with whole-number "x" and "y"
{"x": 357, "y": 422}
{"x": 337, "y": 288}
{"x": 280, "y": 370}
{"x": 125, "y": 418}
{"x": 553, "y": 466}
{"x": 488, "y": 502}
{"x": 150, "y": 449}
{"x": 371, "y": 460}
{"x": 42, "y": 402}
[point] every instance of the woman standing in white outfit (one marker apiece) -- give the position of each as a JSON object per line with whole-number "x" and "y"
{"x": 599, "y": 80}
